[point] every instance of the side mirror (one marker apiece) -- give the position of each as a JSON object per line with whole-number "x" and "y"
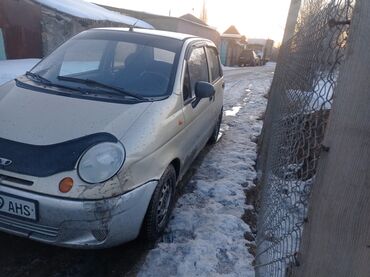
{"x": 202, "y": 90}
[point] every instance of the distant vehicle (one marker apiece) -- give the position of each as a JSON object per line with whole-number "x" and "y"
{"x": 249, "y": 58}
{"x": 95, "y": 138}
{"x": 259, "y": 60}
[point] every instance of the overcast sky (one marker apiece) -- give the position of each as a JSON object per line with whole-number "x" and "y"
{"x": 253, "y": 18}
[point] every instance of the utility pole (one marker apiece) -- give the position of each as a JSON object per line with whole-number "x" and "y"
{"x": 203, "y": 13}
{"x": 336, "y": 238}
{"x": 291, "y": 22}
{"x": 289, "y": 32}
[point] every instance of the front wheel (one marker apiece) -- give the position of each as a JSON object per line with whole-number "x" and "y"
{"x": 160, "y": 206}
{"x": 216, "y": 130}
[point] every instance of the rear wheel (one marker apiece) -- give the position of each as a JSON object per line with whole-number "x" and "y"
{"x": 216, "y": 130}
{"x": 160, "y": 206}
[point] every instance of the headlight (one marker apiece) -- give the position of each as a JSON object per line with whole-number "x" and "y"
{"x": 101, "y": 162}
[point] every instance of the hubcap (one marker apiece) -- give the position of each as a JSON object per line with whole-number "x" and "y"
{"x": 164, "y": 203}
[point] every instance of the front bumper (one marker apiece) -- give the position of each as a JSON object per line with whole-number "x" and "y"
{"x": 82, "y": 223}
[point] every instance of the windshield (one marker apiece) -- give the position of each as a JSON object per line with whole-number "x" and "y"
{"x": 138, "y": 65}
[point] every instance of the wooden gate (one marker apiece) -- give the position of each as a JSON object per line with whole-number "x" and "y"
{"x": 20, "y": 22}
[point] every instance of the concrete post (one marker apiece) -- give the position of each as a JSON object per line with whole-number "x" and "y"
{"x": 336, "y": 239}
{"x": 291, "y": 22}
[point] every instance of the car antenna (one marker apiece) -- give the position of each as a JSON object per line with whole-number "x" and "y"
{"x": 131, "y": 29}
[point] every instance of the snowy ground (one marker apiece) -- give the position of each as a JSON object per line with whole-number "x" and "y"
{"x": 11, "y": 69}
{"x": 205, "y": 236}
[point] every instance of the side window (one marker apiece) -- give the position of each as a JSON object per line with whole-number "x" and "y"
{"x": 214, "y": 64}
{"x": 197, "y": 67}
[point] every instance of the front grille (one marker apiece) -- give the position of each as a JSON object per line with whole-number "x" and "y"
{"x": 27, "y": 228}
{"x": 8, "y": 180}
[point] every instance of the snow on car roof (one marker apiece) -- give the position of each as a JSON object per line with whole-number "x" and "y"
{"x": 179, "y": 36}
{"x": 83, "y": 9}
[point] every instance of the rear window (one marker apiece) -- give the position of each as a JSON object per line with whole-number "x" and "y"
{"x": 76, "y": 62}
{"x": 161, "y": 55}
{"x": 122, "y": 51}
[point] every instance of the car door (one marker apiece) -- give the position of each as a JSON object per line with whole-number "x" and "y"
{"x": 197, "y": 118}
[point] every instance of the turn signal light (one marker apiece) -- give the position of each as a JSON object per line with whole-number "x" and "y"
{"x": 66, "y": 185}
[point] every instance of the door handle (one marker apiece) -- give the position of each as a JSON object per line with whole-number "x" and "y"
{"x": 223, "y": 85}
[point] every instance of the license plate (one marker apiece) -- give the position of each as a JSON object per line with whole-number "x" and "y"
{"x": 18, "y": 206}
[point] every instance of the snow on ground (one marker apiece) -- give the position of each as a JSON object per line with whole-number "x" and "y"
{"x": 11, "y": 69}
{"x": 319, "y": 98}
{"x": 83, "y": 9}
{"x": 205, "y": 236}
{"x": 228, "y": 68}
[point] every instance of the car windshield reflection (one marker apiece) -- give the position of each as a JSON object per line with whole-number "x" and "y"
{"x": 137, "y": 65}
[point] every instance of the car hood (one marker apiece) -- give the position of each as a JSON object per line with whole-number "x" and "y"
{"x": 42, "y": 119}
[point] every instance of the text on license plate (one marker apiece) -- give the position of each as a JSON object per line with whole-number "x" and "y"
{"x": 18, "y": 207}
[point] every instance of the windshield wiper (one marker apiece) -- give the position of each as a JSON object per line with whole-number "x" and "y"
{"x": 47, "y": 82}
{"x": 96, "y": 83}
{"x": 38, "y": 78}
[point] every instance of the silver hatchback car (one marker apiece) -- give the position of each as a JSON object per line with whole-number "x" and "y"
{"x": 94, "y": 139}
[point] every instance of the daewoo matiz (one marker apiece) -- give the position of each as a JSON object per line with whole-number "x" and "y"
{"x": 94, "y": 139}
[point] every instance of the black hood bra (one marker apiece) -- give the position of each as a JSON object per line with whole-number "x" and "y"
{"x": 47, "y": 160}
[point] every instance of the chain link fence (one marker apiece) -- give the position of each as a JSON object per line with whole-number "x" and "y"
{"x": 300, "y": 101}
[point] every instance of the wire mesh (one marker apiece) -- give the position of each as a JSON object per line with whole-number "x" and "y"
{"x": 300, "y": 103}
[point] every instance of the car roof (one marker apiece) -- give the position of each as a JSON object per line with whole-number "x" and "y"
{"x": 174, "y": 35}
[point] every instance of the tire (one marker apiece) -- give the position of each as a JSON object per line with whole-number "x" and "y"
{"x": 160, "y": 206}
{"x": 216, "y": 130}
